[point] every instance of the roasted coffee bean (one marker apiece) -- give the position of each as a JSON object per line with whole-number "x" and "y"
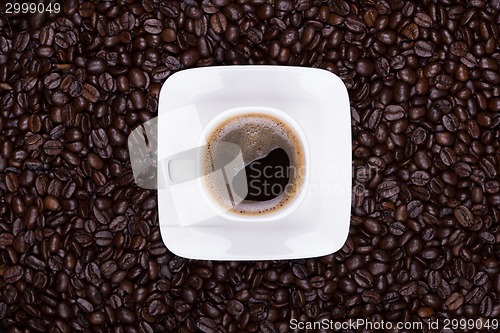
{"x": 469, "y": 60}
{"x": 365, "y": 67}
{"x": 408, "y": 289}
{"x": 394, "y": 112}
{"x": 363, "y": 278}
{"x": 218, "y": 22}
{"x": 354, "y": 24}
{"x": 463, "y": 216}
{"x": 289, "y": 37}
{"x": 12, "y": 182}
{"x": 411, "y": 31}
{"x": 95, "y": 65}
{"x": 53, "y": 147}
{"x": 99, "y": 138}
{"x": 475, "y": 295}
{"x": 233, "y": 12}
{"x": 448, "y": 156}
{"x": 13, "y": 274}
{"x": 137, "y": 77}
{"x": 104, "y": 238}
{"x": 370, "y": 296}
{"x": 168, "y": 35}
{"x": 106, "y": 82}
{"x": 459, "y": 49}
{"x": 423, "y": 160}
{"x": 51, "y": 203}
{"x": 90, "y": 93}
{"x": 415, "y": 208}
{"x": 420, "y": 178}
{"x": 397, "y": 228}
{"x": 423, "y": 20}
{"x": 388, "y": 189}
{"x": 423, "y": 49}
{"x": 284, "y": 5}
{"x": 47, "y": 35}
{"x": 374, "y": 118}
{"x": 235, "y": 308}
{"x": 117, "y": 224}
{"x": 451, "y": 122}
{"x": 52, "y": 81}
{"x": 190, "y": 57}
{"x": 153, "y": 26}
{"x": 462, "y": 169}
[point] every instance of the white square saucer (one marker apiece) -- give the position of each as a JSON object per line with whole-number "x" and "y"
{"x": 318, "y": 101}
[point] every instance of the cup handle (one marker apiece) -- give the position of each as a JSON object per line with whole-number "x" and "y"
{"x": 179, "y": 172}
{"x": 185, "y": 166}
{"x": 143, "y": 151}
{"x": 182, "y": 173}
{"x": 182, "y": 167}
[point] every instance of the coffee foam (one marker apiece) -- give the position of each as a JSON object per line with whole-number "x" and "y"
{"x": 256, "y": 134}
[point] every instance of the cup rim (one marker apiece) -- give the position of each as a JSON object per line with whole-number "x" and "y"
{"x": 296, "y": 200}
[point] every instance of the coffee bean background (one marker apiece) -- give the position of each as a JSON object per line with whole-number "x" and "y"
{"x": 80, "y": 248}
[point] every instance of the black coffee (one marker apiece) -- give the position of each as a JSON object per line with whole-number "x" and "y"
{"x": 273, "y": 164}
{"x": 266, "y": 178}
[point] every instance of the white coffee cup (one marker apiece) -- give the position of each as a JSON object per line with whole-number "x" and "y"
{"x": 185, "y": 169}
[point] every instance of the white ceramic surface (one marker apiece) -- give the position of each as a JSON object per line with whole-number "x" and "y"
{"x": 317, "y": 100}
{"x": 296, "y": 200}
